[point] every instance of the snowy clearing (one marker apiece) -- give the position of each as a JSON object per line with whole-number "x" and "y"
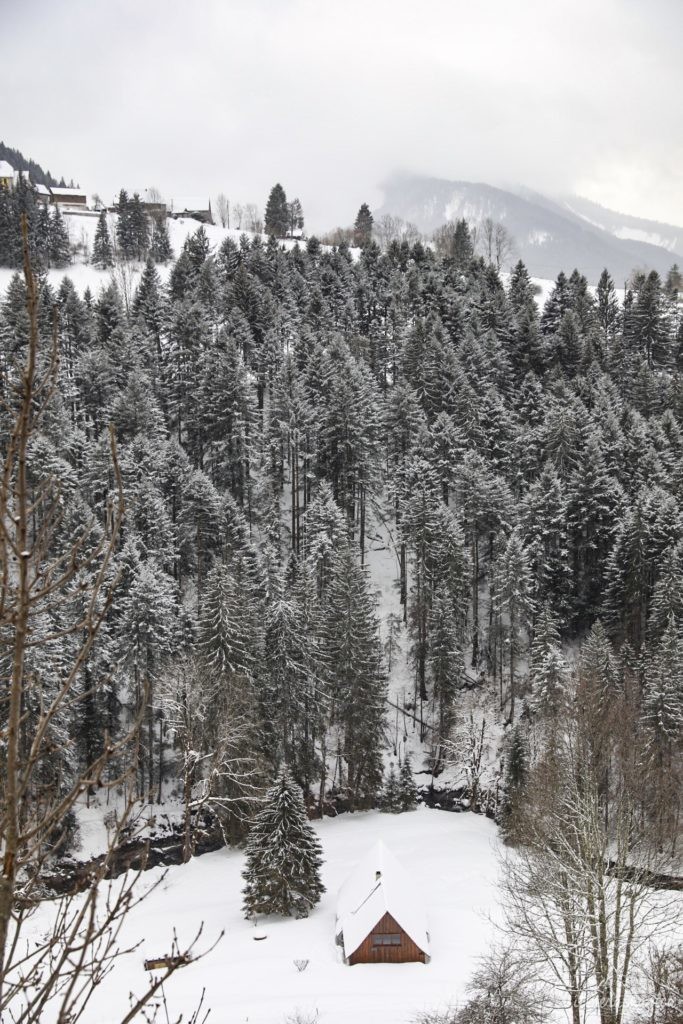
{"x": 452, "y": 861}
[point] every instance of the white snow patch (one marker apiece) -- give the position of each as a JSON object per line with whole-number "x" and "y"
{"x": 651, "y": 237}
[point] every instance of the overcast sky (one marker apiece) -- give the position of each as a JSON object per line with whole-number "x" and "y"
{"x": 331, "y": 96}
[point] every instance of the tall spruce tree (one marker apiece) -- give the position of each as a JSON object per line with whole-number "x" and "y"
{"x": 283, "y": 856}
{"x": 277, "y": 212}
{"x": 60, "y": 249}
{"x": 102, "y": 255}
{"x": 362, "y": 228}
{"x": 406, "y": 785}
{"x": 161, "y": 250}
{"x": 125, "y": 230}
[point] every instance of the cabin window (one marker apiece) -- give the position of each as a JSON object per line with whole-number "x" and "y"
{"x": 386, "y": 940}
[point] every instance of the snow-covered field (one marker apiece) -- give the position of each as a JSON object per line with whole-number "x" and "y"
{"x": 82, "y": 232}
{"x": 452, "y": 859}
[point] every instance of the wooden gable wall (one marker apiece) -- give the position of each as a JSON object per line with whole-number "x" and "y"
{"x": 405, "y": 953}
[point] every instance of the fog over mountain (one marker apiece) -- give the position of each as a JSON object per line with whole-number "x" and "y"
{"x": 550, "y": 235}
{"x": 330, "y": 98}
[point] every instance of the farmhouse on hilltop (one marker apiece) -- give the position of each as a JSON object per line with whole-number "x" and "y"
{"x": 379, "y": 917}
{"x": 192, "y": 206}
{"x": 61, "y": 196}
{"x": 71, "y": 199}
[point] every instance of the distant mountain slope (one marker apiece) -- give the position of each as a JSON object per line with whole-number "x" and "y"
{"x": 623, "y": 225}
{"x": 550, "y": 236}
{"x": 21, "y": 163}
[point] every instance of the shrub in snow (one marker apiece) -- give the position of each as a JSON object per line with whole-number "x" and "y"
{"x": 282, "y": 870}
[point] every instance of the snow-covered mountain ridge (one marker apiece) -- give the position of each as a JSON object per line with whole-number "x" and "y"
{"x": 550, "y": 235}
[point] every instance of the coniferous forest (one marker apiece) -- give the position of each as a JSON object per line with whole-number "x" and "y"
{"x": 207, "y": 478}
{"x": 273, "y": 411}
{"x": 341, "y": 513}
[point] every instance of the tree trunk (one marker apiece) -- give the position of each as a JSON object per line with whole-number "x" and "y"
{"x": 475, "y": 598}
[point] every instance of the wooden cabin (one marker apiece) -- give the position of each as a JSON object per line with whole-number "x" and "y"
{"x": 380, "y": 918}
{"x": 60, "y": 196}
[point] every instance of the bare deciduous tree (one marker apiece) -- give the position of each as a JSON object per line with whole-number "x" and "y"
{"x": 252, "y": 218}
{"x": 237, "y": 215}
{"x": 466, "y": 754}
{"x": 661, "y": 989}
{"x": 388, "y": 229}
{"x": 213, "y": 736}
{"x": 577, "y": 891}
{"x": 223, "y": 209}
{"x": 494, "y": 241}
{"x": 338, "y": 236}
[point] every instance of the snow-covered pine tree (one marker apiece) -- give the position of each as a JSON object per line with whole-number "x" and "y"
{"x": 357, "y": 686}
{"x": 408, "y": 795}
{"x": 277, "y": 213}
{"x": 60, "y": 249}
{"x": 608, "y": 306}
{"x": 283, "y": 856}
{"x": 548, "y": 670}
{"x": 557, "y": 304}
{"x": 515, "y": 775}
{"x": 161, "y": 250}
{"x": 139, "y": 228}
{"x": 390, "y": 797}
{"x": 102, "y": 255}
{"x": 513, "y": 600}
{"x": 125, "y": 235}
{"x": 446, "y": 665}
{"x": 362, "y": 228}
{"x": 149, "y": 309}
{"x": 42, "y": 237}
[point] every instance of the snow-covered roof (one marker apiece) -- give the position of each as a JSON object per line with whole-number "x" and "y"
{"x": 6, "y": 170}
{"x": 377, "y": 885}
{"x": 42, "y": 190}
{"x": 57, "y": 190}
{"x": 189, "y": 203}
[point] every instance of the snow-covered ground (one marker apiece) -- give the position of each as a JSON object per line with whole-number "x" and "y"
{"x": 452, "y": 859}
{"x": 82, "y": 233}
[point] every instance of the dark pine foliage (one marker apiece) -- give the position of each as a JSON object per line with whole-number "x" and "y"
{"x": 284, "y": 855}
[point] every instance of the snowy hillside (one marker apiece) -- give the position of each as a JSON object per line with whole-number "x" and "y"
{"x": 81, "y": 231}
{"x": 621, "y": 225}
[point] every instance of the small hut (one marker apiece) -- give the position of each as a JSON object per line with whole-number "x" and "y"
{"x": 380, "y": 919}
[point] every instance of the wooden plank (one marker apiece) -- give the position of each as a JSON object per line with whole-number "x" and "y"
{"x": 368, "y": 953}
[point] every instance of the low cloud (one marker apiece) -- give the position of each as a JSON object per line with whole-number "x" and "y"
{"x": 331, "y": 98}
